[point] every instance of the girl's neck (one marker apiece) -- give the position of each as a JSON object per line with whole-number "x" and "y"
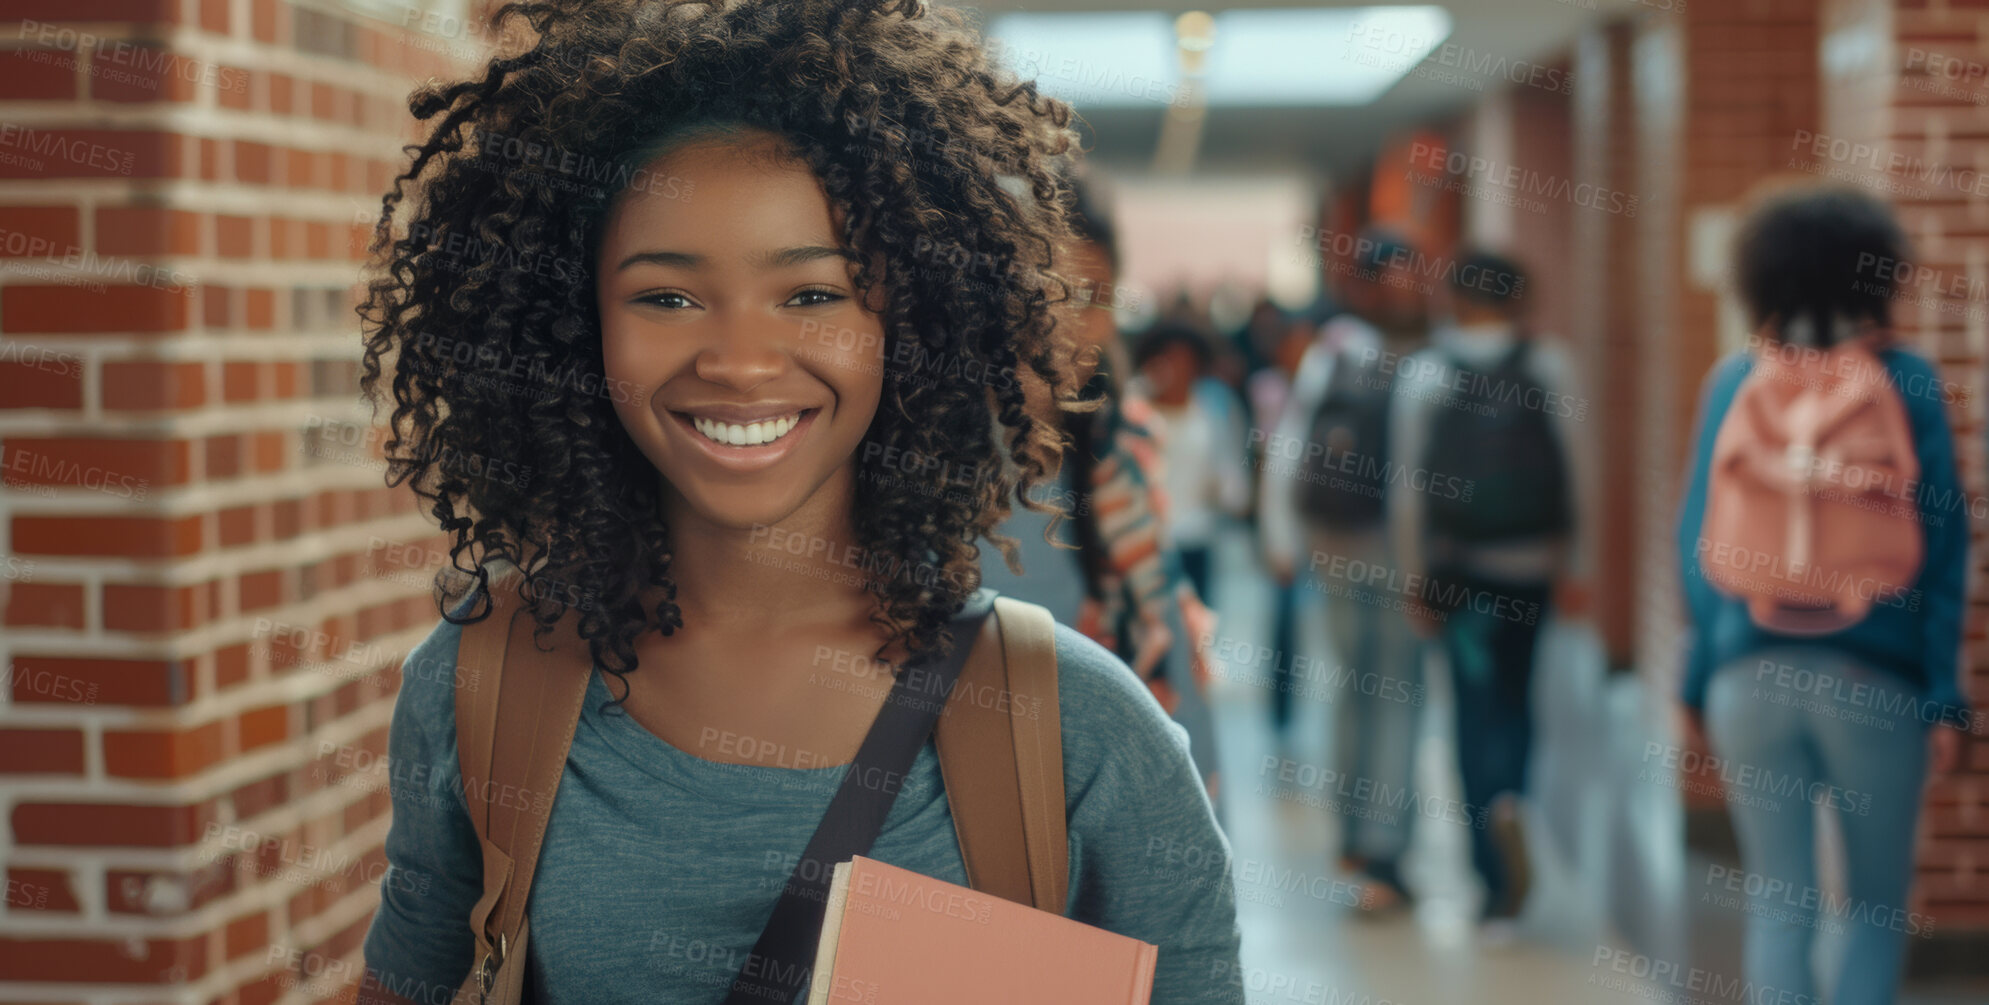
{"x": 807, "y": 566}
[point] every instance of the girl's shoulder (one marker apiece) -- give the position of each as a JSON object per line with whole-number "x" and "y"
{"x": 1110, "y": 720}
{"x": 431, "y": 674}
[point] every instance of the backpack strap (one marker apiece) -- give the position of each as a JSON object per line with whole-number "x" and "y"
{"x": 514, "y": 726}
{"x": 1001, "y": 759}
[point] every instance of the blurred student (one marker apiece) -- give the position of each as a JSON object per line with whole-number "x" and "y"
{"x": 1324, "y": 489}
{"x": 1824, "y": 536}
{"x": 1202, "y": 441}
{"x": 1483, "y": 512}
{"x": 1269, "y": 388}
{"x": 1117, "y": 579}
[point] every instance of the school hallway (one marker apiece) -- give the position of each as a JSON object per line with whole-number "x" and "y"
{"x": 1616, "y": 894}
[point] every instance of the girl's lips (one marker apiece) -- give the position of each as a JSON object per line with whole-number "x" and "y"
{"x": 745, "y": 458}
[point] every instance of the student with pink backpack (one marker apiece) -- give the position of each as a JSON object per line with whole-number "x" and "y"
{"x": 1823, "y": 544}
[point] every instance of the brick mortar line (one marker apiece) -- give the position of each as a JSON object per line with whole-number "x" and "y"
{"x": 200, "y": 46}
{"x": 306, "y": 549}
{"x": 265, "y": 894}
{"x": 293, "y": 689}
{"x": 286, "y": 415}
{"x": 335, "y": 273}
{"x": 203, "y": 345}
{"x": 197, "y": 122}
{"x": 198, "y": 499}
{"x": 187, "y": 858}
{"x": 184, "y": 193}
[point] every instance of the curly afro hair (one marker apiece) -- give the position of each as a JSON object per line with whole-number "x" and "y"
{"x": 1814, "y": 262}
{"x": 483, "y": 337}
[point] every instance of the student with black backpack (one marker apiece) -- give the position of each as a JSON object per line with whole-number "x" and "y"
{"x": 1323, "y": 516}
{"x": 1483, "y": 516}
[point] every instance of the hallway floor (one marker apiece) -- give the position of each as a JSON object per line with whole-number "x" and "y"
{"x": 1614, "y": 918}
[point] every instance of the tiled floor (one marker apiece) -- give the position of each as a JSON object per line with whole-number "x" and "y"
{"x": 1611, "y": 921}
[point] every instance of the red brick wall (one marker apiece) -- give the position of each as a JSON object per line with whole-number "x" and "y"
{"x": 1604, "y": 321}
{"x": 198, "y": 651}
{"x": 1720, "y": 89}
{"x": 1912, "y": 79}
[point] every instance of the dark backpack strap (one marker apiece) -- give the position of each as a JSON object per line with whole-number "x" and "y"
{"x": 782, "y": 959}
{"x": 531, "y": 699}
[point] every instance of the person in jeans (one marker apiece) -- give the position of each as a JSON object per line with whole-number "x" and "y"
{"x": 1483, "y": 516}
{"x": 1377, "y": 710}
{"x": 1860, "y": 745}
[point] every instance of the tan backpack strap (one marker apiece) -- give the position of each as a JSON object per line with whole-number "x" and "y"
{"x": 1001, "y": 756}
{"x": 514, "y": 728}
{"x": 1029, "y": 643}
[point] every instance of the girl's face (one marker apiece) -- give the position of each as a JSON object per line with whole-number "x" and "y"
{"x": 736, "y": 308}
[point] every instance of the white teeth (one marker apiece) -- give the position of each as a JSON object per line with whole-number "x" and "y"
{"x": 749, "y": 434}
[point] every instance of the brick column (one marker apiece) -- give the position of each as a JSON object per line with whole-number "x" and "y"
{"x": 1719, "y": 90}
{"x": 1605, "y": 325}
{"x": 1910, "y": 81}
{"x": 200, "y": 656}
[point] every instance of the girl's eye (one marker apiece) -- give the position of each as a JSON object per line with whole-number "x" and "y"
{"x": 814, "y": 297}
{"x": 666, "y": 299}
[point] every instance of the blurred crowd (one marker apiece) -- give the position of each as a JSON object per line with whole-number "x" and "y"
{"x": 1401, "y": 454}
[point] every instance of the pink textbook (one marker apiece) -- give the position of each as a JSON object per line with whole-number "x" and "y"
{"x": 894, "y": 937}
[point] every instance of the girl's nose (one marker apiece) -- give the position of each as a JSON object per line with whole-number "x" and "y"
{"x": 742, "y": 357}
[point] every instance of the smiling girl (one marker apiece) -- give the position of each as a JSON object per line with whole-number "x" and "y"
{"x": 686, "y": 264}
